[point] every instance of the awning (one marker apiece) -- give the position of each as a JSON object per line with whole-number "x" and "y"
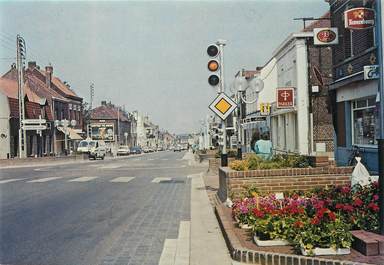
{"x": 71, "y": 133}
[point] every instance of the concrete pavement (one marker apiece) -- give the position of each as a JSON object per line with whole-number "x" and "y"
{"x": 109, "y": 212}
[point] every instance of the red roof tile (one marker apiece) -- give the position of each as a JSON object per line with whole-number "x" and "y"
{"x": 10, "y": 89}
{"x": 13, "y": 107}
{"x": 107, "y": 112}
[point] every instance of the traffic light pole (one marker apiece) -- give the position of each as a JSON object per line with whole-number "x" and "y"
{"x": 221, "y": 89}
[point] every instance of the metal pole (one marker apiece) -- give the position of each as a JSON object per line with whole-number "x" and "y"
{"x": 239, "y": 151}
{"x": 224, "y": 155}
{"x": 379, "y": 25}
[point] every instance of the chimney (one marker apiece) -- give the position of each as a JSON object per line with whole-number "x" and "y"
{"x": 103, "y": 103}
{"x": 31, "y": 65}
{"x": 48, "y": 75}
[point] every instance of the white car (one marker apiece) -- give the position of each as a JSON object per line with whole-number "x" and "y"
{"x": 83, "y": 146}
{"x": 123, "y": 150}
{"x": 97, "y": 149}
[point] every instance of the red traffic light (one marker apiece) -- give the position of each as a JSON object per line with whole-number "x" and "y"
{"x": 213, "y": 50}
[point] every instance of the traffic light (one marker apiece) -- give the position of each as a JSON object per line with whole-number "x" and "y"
{"x": 213, "y": 65}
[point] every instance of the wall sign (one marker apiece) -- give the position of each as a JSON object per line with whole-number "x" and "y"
{"x": 371, "y": 72}
{"x": 359, "y": 18}
{"x": 325, "y": 36}
{"x": 285, "y": 97}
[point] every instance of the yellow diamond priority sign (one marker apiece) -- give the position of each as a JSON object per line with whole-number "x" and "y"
{"x": 223, "y": 106}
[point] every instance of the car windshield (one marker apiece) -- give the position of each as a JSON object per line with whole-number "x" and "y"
{"x": 92, "y": 144}
{"x": 83, "y": 144}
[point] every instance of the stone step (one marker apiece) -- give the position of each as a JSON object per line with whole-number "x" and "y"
{"x": 368, "y": 243}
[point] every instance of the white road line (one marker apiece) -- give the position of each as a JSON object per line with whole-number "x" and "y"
{"x": 9, "y": 180}
{"x": 165, "y": 159}
{"x": 169, "y": 252}
{"x": 82, "y": 179}
{"x": 151, "y": 159}
{"x": 110, "y": 167}
{"x": 43, "y": 179}
{"x": 158, "y": 180}
{"x": 122, "y": 179}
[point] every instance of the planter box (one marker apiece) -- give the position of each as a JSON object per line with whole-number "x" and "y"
{"x": 326, "y": 251}
{"x": 245, "y": 226}
{"x": 268, "y": 243}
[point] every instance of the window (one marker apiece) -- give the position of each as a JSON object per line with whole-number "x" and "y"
{"x": 363, "y": 121}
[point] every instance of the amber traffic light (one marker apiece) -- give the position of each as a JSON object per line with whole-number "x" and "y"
{"x": 213, "y": 64}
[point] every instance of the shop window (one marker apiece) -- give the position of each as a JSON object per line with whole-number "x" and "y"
{"x": 363, "y": 121}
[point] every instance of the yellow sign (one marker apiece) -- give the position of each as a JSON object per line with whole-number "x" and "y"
{"x": 223, "y": 106}
{"x": 265, "y": 108}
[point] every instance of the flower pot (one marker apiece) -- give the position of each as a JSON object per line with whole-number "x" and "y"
{"x": 245, "y": 226}
{"x": 325, "y": 251}
{"x": 270, "y": 242}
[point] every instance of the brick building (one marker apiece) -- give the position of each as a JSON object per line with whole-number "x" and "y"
{"x": 60, "y": 103}
{"x": 354, "y": 103}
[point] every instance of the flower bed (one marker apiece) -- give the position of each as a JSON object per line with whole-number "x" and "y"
{"x": 315, "y": 221}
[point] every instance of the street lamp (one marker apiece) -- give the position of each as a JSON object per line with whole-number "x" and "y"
{"x": 242, "y": 85}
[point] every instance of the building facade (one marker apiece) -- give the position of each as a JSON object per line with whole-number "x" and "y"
{"x": 354, "y": 100}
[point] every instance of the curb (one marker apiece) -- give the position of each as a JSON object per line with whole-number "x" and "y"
{"x": 241, "y": 254}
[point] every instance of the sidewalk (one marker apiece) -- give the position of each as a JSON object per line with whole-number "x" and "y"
{"x": 207, "y": 243}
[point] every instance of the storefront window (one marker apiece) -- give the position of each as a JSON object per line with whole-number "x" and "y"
{"x": 364, "y": 119}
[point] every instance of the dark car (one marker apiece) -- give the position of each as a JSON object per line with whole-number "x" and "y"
{"x": 136, "y": 150}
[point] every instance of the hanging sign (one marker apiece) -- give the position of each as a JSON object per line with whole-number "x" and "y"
{"x": 359, "y": 18}
{"x": 325, "y": 36}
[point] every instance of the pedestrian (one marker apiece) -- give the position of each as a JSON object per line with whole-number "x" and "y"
{"x": 263, "y": 147}
{"x": 254, "y": 139}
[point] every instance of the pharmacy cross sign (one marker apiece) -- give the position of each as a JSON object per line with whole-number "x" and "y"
{"x": 223, "y": 106}
{"x": 285, "y": 97}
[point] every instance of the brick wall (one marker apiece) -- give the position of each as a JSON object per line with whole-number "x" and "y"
{"x": 233, "y": 183}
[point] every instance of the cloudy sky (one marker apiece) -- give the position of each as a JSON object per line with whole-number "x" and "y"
{"x": 149, "y": 56}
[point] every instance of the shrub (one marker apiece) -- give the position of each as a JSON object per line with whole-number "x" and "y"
{"x": 239, "y": 165}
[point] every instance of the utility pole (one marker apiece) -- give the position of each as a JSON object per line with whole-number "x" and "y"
{"x": 380, "y": 140}
{"x": 20, "y": 60}
{"x": 92, "y": 93}
{"x": 221, "y": 89}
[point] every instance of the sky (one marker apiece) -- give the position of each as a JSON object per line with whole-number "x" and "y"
{"x": 149, "y": 56}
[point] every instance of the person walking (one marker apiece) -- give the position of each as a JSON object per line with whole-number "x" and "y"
{"x": 263, "y": 147}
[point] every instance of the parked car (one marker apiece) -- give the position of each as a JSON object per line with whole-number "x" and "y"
{"x": 136, "y": 150}
{"x": 83, "y": 146}
{"x": 177, "y": 148}
{"x": 123, "y": 150}
{"x": 146, "y": 150}
{"x": 97, "y": 149}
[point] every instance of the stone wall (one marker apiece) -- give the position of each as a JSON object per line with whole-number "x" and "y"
{"x": 233, "y": 183}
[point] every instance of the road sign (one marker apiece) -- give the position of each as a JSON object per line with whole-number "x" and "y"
{"x": 223, "y": 106}
{"x": 34, "y": 121}
{"x": 34, "y": 127}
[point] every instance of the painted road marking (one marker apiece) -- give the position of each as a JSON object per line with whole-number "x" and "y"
{"x": 44, "y": 179}
{"x": 82, "y": 179}
{"x": 9, "y": 180}
{"x": 158, "y": 180}
{"x": 122, "y": 179}
{"x": 110, "y": 167}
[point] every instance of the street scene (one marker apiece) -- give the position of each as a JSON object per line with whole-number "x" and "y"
{"x": 192, "y": 132}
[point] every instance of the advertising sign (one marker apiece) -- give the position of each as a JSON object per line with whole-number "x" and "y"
{"x": 102, "y": 131}
{"x": 359, "y": 18}
{"x": 371, "y": 72}
{"x": 265, "y": 109}
{"x": 285, "y": 97}
{"x": 325, "y": 36}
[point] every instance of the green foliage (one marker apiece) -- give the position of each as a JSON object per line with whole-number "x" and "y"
{"x": 277, "y": 161}
{"x": 239, "y": 165}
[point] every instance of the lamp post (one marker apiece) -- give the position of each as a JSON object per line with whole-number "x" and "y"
{"x": 241, "y": 85}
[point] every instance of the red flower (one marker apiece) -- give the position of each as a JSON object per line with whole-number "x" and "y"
{"x": 345, "y": 189}
{"x": 339, "y": 206}
{"x": 315, "y": 221}
{"x": 298, "y": 224}
{"x": 258, "y": 213}
{"x": 373, "y": 206}
{"x": 358, "y": 202}
{"x": 332, "y": 216}
{"x": 348, "y": 208}
{"x": 375, "y": 197}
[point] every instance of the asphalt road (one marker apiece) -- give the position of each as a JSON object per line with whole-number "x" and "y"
{"x": 103, "y": 212}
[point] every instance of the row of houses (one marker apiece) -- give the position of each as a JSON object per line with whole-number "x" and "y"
{"x": 332, "y": 108}
{"x": 66, "y": 118}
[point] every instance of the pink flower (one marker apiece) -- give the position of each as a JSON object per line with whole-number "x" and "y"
{"x": 375, "y": 197}
{"x": 348, "y": 208}
{"x": 358, "y": 202}
{"x": 373, "y": 206}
